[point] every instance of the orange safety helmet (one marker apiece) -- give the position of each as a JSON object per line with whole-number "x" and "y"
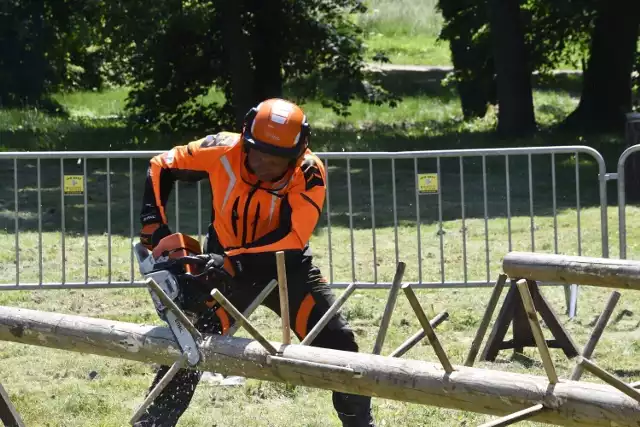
{"x": 277, "y": 127}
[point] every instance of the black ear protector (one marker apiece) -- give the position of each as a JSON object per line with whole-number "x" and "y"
{"x": 294, "y": 152}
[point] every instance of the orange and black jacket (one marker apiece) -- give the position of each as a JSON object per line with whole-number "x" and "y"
{"x": 249, "y": 222}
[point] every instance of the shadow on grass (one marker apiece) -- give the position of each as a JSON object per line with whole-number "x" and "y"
{"x": 462, "y": 183}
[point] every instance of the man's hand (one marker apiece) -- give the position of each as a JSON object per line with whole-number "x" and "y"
{"x": 151, "y": 234}
{"x": 214, "y": 266}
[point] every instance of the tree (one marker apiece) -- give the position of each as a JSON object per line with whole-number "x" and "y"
{"x": 515, "y": 115}
{"x": 24, "y": 42}
{"x": 239, "y": 89}
{"x": 250, "y": 49}
{"x": 465, "y": 28}
{"x": 491, "y": 38}
{"x": 49, "y": 45}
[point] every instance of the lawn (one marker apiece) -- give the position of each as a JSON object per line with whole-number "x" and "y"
{"x": 406, "y": 30}
{"x": 53, "y": 387}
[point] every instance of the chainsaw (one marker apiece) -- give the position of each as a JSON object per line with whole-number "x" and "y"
{"x": 178, "y": 280}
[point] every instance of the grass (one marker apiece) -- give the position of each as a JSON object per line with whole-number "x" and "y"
{"x": 406, "y": 31}
{"x": 394, "y": 17}
{"x": 428, "y": 117}
{"x": 52, "y": 387}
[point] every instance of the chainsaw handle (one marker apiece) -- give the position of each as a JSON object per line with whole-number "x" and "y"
{"x": 190, "y": 259}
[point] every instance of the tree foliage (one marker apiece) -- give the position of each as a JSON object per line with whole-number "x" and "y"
{"x": 51, "y": 45}
{"x": 179, "y": 50}
{"x": 174, "y": 53}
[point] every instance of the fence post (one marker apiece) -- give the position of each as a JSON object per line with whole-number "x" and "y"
{"x": 632, "y": 173}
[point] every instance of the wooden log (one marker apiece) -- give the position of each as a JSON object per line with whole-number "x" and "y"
{"x": 569, "y": 403}
{"x": 602, "y": 272}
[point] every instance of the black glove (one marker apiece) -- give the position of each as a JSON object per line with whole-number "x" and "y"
{"x": 197, "y": 290}
{"x": 214, "y": 266}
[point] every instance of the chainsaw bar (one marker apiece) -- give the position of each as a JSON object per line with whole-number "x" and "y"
{"x": 186, "y": 335}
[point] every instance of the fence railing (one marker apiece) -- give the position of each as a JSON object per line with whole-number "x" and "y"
{"x": 449, "y": 214}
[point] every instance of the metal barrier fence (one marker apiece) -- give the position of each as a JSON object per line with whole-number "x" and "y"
{"x": 622, "y": 198}
{"x": 449, "y": 214}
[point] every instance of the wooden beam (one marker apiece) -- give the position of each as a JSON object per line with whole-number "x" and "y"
{"x": 428, "y": 330}
{"x": 418, "y": 336}
{"x": 596, "y": 333}
{"x": 602, "y": 272}
{"x": 284, "y": 297}
{"x": 609, "y": 378}
{"x": 328, "y": 315}
{"x": 388, "y": 309}
{"x": 235, "y": 313}
{"x": 8, "y": 413}
{"x": 569, "y": 403}
{"x": 486, "y": 319}
{"x": 547, "y": 361}
{"x": 166, "y": 379}
{"x": 253, "y": 306}
{"x": 515, "y": 417}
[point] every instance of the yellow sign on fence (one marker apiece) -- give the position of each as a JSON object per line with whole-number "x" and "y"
{"x": 73, "y": 184}
{"x": 428, "y": 183}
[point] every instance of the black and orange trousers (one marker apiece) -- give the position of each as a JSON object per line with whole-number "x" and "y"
{"x": 310, "y": 296}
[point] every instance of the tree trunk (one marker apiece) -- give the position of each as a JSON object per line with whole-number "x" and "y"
{"x": 267, "y": 49}
{"x": 515, "y": 99}
{"x": 606, "y": 88}
{"x": 471, "y": 59}
{"x": 236, "y": 47}
{"x": 24, "y": 64}
{"x": 477, "y": 89}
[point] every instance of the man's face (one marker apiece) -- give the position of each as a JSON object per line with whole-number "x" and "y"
{"x": 266, "y": 166}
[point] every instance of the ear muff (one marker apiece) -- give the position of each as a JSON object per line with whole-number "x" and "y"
{"x": 248, "y": 119}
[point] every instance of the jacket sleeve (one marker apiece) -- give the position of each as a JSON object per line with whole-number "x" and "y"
{"x": 299, "y": 213}
{"x": 182, "y": 163}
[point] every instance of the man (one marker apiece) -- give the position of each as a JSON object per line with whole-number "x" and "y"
{"x": 268, "y": 192}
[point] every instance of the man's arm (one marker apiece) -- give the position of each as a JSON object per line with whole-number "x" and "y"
{"x": 182, "y": 163}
